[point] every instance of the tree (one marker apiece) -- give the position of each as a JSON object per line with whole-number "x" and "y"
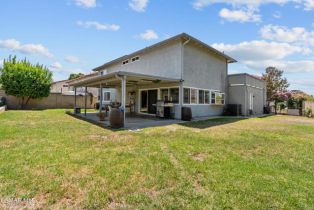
{"x": 274, "y": 82}
{"x": 74, "y": 76}
{"x": 280, "y": 97}
{"x": 24, "y": 80}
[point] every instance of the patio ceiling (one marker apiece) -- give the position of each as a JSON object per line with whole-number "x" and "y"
{"x": 114, "y": 79}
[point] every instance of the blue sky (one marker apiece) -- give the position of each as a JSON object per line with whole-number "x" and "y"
{"x": 78, "y": 35}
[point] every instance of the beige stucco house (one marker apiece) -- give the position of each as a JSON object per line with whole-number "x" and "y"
{"x": 181, "y": 70}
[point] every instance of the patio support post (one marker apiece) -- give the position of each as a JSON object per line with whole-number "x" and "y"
{"x": 74, "y": 97}
{"x": 100, "y": 98}
{"x": 123, "y": 95}
{"x": 85, "y": 100}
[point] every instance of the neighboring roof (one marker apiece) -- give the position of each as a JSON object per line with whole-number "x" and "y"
{"x": 180, "y": 36}
{"x": 84, "y": 77}
{"x": 55, "y": 82}
{"x": 79, "y": 78}
{"x": 246, "y": 74}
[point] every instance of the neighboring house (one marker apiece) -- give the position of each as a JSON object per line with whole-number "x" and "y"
{"x": 181, "y": 70}
{"x": 249, "y": 91}
{"x": 64, "y": 88}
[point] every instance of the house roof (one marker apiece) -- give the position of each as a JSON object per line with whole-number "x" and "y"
{"x": 183, "y": 36}
{"x": 246, "y": 74}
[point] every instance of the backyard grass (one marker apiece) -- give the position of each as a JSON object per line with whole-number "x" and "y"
{"x": 51, "y": 160}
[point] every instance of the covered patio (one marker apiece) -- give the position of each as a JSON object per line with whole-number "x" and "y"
{"x": 132, "y": 122}
{"x": 128, "y": 86}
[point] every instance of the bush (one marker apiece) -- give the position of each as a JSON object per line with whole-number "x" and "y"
{"x": 24, "y": 80}
{"x": 308, "y": 112}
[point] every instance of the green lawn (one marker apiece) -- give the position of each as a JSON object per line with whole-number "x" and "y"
{"x": 62, "y": 162}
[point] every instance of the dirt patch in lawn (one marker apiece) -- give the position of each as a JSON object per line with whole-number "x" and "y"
{"x": 198, "y": 156}
{"x": 111, "y": 137}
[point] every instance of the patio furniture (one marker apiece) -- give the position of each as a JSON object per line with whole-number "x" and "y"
{"x": 77, "y": 110}
{"x": 164, "y": 109}
{"x": 102, "y": 116}
{"x": 131, "y": 106}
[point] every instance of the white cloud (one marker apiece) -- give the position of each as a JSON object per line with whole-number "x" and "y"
{"x": 260, "y": 50}
{"x": 56, "y": 66}
{"x": 242, "y": 15}
{"x": 308, "y": 5}
{"x": 277, "y": 15}
{"x": 284, "y": 34}
{"x": 138, "y": 5}
{"x": 242, "y": 9}
{"x": 258, "y": 55}
{"x": 1, "y": 63}
{"x": 300, "y": 66}
{"x": 303, "y": 82}
{"x": 98, "y": 26}
{"x": 149, "y": 35}
{"x": 71, "y": 59}
{"x": 86, "y": 3}
{"x": 12, "y": 44}
{"x": 199, "y": 4}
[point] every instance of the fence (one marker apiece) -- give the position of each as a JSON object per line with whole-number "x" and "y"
{"x": 308, "y": 105}
{"x": 53, "y": 101}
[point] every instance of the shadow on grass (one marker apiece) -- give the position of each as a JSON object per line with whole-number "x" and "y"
{"x": 203, "y": 124}
{"x": 211, "y": 122}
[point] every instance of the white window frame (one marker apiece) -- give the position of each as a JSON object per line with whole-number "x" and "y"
{"x": 183, "y": 95}
{"x": 198, "y": 95}
{"x": 135, "y": 58}
{"x": 103, "y": 96}
{"x": 197, "y": 103}
{"x": 128, "y": 62}
{"x": 208, "y": 97}
{"x": 218, "y": 104}
{"x": 158, "y": 96}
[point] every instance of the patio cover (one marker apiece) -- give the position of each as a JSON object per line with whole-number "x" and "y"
{"x": 114, "y": 79}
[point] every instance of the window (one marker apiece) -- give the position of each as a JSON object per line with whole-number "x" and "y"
{"x": 164, "y": 94}
{"x": 103, "y": 72}
{"x": 213, "y": 98}
{"x": 201, "y": 97}
{"x": 125, "y": 62}
{"x": 174, "y": 95}
{"x": 135, "y": 58}
{"x": 206, "y": 97}
{"x": 193, "y": 96}
{"x": 220, "y": 98}
{"x": 217, "y": 98}
{"x": 186, "y": 95}
{"x": 107, "y": 96}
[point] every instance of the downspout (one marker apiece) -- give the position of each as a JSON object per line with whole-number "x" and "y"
{"x": 182, "y": 57}
{"x": 182, "y": 69}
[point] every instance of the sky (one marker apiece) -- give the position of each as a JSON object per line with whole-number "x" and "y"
{"x": 72, "y": 36}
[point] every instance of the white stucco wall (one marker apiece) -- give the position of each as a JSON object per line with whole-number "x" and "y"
{"x": 205, "y": 70}
{"x": 164, "y": 61}
{"x": 242, "y": 87}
